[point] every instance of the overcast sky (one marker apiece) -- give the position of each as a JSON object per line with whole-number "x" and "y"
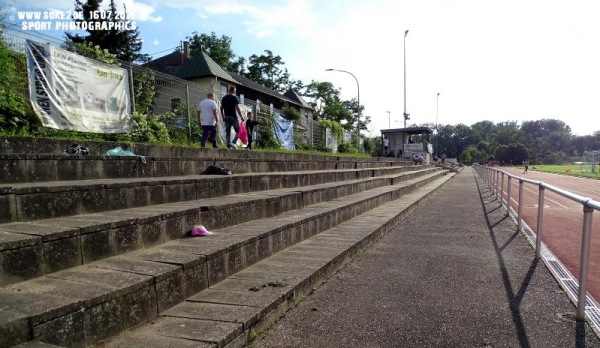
{"x": 509, "y": 60}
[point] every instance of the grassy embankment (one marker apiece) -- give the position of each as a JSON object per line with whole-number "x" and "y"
{"x": 582, "y": 170}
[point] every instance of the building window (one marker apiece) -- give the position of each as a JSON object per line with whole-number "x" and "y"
{"x": 223, "y": 89}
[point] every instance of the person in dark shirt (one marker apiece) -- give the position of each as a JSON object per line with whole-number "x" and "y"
{"x": 250, "y": 123}
{"x": 230, "y": 108}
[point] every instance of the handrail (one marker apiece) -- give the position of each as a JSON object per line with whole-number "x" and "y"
{"x": 491, "y": 177}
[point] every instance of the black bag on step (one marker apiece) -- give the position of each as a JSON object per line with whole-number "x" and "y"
{"x": 217, "y": 169}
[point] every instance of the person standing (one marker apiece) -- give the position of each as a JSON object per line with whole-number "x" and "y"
{"x": 526, "y": 165}
{"x": 250, "y": 123}
{"x": 230, "y": 108}
{"x": 386, "y": 146}
{"x": 208, "y": 119}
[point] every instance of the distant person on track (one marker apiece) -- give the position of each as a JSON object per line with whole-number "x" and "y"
{"x": 526, "y": 165}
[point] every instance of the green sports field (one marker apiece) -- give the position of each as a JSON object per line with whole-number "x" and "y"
{"x": 583, "y": 170}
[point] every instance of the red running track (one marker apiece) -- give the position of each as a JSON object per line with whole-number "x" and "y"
{"x": 562, "y": 220}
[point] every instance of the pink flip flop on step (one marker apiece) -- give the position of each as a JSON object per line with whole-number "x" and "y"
{"x": 200, "y": 230}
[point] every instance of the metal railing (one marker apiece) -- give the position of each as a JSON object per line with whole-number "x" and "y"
{"x": 494, "y": 178}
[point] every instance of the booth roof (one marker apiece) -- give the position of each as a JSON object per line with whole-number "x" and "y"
{"x": 413, "y": 130}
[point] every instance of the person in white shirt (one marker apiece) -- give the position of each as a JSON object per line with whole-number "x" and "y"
{"x": 207, "y": 119}
{"x": 386, "y": 146}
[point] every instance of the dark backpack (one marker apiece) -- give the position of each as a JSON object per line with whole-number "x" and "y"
{"x": 217, "y": 169}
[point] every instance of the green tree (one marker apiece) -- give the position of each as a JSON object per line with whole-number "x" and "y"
{"x": 268, "y": 70}
{"x": 506, "y": 133}
{"x": 373, "y": 146}
{"x": 483, "y": 130}
{"x": 325, "y": 99}
{"x": 460, "y": 137}
{"x": 320, "y": 94}
{"x": 355, "y": 110}
{"x": 118, "y": 34}
{"x": 131, "y": 48}
{"x": 13, "y": 85}
{"x": 218, "y": 48}
{"x": 513, "y": 153}
{"x": 546, "y": 137}
{"x": 88, "y": 49}
{"x": 471, "y": 155}
{"x": 337, "y": 112}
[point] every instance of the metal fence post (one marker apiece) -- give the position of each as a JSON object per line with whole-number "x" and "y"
{"x": 585, "y": 260}
{"x": 495, "y": 183}
{"x": 520, "y": 205}
{"x": 508, "y": 197}
{"x": 131, "y": 89}
{"x": 540, "y": 218}
{"x": 188, "y": 108}
{"x": 501, "y": 189}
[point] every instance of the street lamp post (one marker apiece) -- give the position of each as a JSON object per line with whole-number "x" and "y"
{"x": 389, "y": 120}
{"x": 357, "y": 94}
{"x": 437, "y": 111}
{"x": 405, "y": 114}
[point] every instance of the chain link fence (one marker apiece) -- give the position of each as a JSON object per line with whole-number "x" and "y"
{"x": 172, "y": 95}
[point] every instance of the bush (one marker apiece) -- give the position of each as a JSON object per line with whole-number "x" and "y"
{"x": 150, "y": 129}
{"x": 347, "y": 147}
{"x": 291, "y": 113}
{"x": 14, "y": 117}
{"x": 266, "y": 136}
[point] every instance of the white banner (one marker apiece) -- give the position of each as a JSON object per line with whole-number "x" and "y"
{"x": 418, "y": 147}
{"x": 69, "y": 91}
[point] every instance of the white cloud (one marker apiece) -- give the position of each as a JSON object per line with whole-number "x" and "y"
{"x": 489, "y": 61}
{"x": 155, "y": 42}
{"x": 139, "y": 11}
{"x": 136, "y": 10}
{"x": 260, "y": 18}
{"x": 46, "y": 5}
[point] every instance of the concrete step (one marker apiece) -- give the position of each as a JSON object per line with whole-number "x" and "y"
{"x": 32, "y": 249}
{"x": 38, "y": 160}
{"x": 236, "y": 310}
{"x": 85, "y": 305}
{"x": 31, "y": 147}
{"x": 42, "y": 200}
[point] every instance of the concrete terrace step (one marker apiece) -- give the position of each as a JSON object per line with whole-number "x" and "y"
{"x": 32, "y": 249}
{"x": 42, "y": 200}
{"x": 234, "y": 311}
{"x": 87, "y": 304}
{"x": 18, "y": 165}
{"x": 31, "y": 147}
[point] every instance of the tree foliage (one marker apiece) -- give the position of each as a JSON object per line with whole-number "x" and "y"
{"x": 89, "y": 50}
{"x": 13, "y": 84}
{"x": 218, "y": 48}
{"x": 325, "y": 100}
{"x": 270, "y": 71}
{"x": 541, "y": 141}
{"x": 120, "y": 37}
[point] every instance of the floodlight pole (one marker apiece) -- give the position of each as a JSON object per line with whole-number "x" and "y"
{"x": 437, "y": 111}
{"x": 405, "y": 114}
